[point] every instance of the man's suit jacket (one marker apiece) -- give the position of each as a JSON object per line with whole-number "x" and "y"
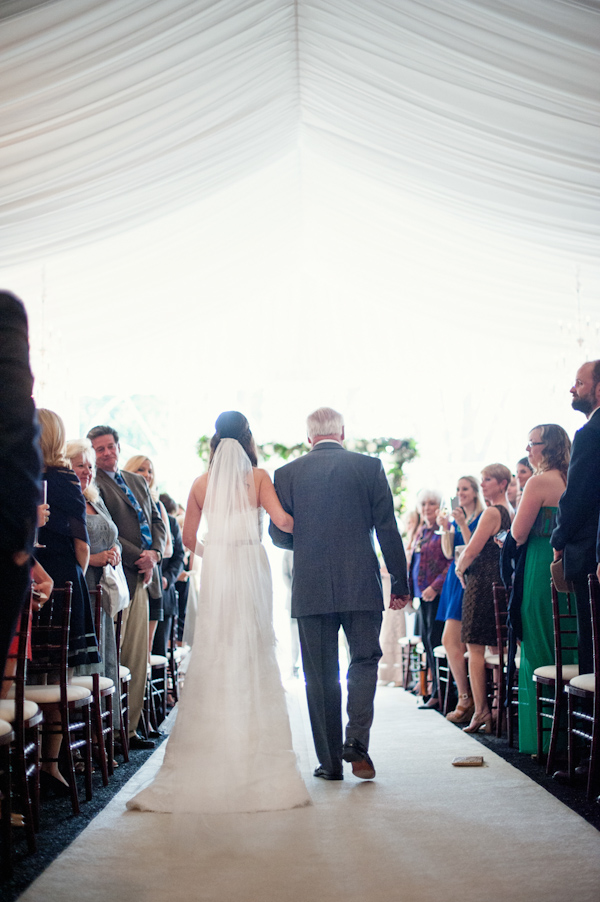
{"x": 579, "y": 508}
{"x": 338, "y": 500}
{"x": 20, "y": 461}
{"x": 171, "y": 568}
{"x": 126, "y": 519}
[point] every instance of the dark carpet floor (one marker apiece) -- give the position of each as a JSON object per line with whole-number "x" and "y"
{"x": 59, "y": 826}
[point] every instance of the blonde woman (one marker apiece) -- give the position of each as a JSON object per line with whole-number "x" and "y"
{"x": 478, "y": 568}
{"x": 456, "y": 536}
{"x": 144, "y": 467}
{"x": 104, "y": 544}
{"x": 65, "y": 557}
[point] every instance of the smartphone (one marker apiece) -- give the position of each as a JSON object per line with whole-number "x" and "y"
{"x": 454, "y": 503}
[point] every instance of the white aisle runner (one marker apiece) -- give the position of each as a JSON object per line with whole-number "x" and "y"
{"x": 422, "y": 831}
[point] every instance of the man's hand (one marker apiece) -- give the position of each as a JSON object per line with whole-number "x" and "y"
{"x": 428, "y": 594}
{"x": 397, "y": 602}
{"x": 145, "y": 563}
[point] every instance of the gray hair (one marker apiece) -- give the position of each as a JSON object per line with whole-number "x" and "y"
{"x": 428, "y": 495}
{"x": 83, "y": 446}
{"x": 324, "y": 421}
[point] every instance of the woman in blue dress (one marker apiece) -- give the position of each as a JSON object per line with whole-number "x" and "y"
{"x": 456, "y": 536}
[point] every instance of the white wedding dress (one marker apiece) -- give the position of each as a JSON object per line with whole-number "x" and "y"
{"x": 231, "y": 746}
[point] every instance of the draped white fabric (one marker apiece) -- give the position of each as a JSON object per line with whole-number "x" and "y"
{"x": 114, "y": 111}
{"x": 344, "y": 199}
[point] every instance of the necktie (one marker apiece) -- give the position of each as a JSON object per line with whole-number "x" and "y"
{"x": 144, "y": 528}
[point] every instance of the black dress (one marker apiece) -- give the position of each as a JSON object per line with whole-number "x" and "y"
{"x": 68, "y": 522}
{"x": 478, "y": 619}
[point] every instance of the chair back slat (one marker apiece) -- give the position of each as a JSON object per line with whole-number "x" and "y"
{"x": 594, "y": 588}
{"x": 501, "y": 615}
{"x": 564, "y": 621}
{"x": 50, "y": 633}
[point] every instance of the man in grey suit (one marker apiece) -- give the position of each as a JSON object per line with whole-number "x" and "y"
{"x": 338, "y": 500}
{"x": 142, "y": 536}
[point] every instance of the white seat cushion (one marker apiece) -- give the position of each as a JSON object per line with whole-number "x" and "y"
{"x": 88, "y": 682}
{"x": 158, "y": 661}
{"x": 124, "y": 672}
{"x": 585, "y": 681}
{"x": 48, "y": 695}
{"x": 5, "y": 728}
{"x": 406, "y": 640}
{"x": 180, "y": 652}
{"x": 548, "y": 672}
{"x": 439, "y": 652}
{"x": 7, "y": 709}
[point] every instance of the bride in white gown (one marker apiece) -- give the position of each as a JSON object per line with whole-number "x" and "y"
{"x": 231, "y": 746}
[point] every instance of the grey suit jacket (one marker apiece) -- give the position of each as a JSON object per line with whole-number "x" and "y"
{"x": 339, "y": 500}
{"x": 126, "y": 519}
{"x": 579, "y": 508}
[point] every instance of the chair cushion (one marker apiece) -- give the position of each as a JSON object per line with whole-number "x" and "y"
{"x": 5, "y": 728}
{"x": 48, "y": 695}
{"x": 548, "y": 672}
{"x": 585, "y": 681}
{"x": 439, "y": 652}
{"x": 180, "y": 652}
{"x": 7, "y": 709}
{"x": 158, "y": 661}
{"x": 408, "y": 640}
{"x": 88, "y": 682}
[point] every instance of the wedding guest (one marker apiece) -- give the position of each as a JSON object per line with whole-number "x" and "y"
{"x": 524, "y": 472}
{"x": 428, "y": 570}
{"x": 20, "y": 466}
{"x": 393, "y": 627}
{"x": 104, "y": 544}
{"x": 513, "y": 491}
{"x": 172, "y": 568}
{"x": 144, "y": 467}
{"x": 142, "y": 537}
{"x": 574, "y": 538}
{"x": 478, "y": 569}
{"x": 456, "y": 536}
{"x": 549, "y": 450}
{"x": 65, "y": 555}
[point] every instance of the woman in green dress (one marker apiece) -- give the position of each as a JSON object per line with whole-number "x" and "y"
{"x": 549, "y": 450}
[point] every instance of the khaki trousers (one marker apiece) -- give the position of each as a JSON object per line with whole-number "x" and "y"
{"x": 134, "y": 651}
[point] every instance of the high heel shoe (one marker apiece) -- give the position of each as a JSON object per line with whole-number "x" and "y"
{"x": 50, "y": 786}
{"x": 477, "y": 722}
{"x": 463, "y": 711}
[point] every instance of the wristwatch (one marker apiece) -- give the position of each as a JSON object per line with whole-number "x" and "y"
{"x": 159, "y": 553}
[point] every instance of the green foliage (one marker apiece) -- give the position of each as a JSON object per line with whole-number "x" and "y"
{"x": 394, "y": 454}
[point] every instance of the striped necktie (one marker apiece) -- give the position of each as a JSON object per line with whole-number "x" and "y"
{"x": 144, "y": 528}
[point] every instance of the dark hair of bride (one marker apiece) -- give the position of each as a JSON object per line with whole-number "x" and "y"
{"x": 232, "y": 424}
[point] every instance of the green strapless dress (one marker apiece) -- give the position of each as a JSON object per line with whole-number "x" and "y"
{"x": 537, "y": 645}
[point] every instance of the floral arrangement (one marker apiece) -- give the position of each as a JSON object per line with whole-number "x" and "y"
{"x": 394, "y": 454}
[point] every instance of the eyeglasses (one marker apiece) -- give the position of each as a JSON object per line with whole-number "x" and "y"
{"x": 533, "y": 444}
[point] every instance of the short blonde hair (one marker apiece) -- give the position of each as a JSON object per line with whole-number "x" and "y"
{"x": 324, "y": 421}
{"x": 83, "y": 447}
{"x": 53, "y": 438}
{"x": 498, "y": 472}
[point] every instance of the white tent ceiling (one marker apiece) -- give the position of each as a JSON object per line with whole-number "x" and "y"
{"x": 313, "y": 200}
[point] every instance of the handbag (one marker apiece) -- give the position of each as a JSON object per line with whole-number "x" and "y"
{"x": 558, "y": 577}
{"x": 115, "y": 596}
